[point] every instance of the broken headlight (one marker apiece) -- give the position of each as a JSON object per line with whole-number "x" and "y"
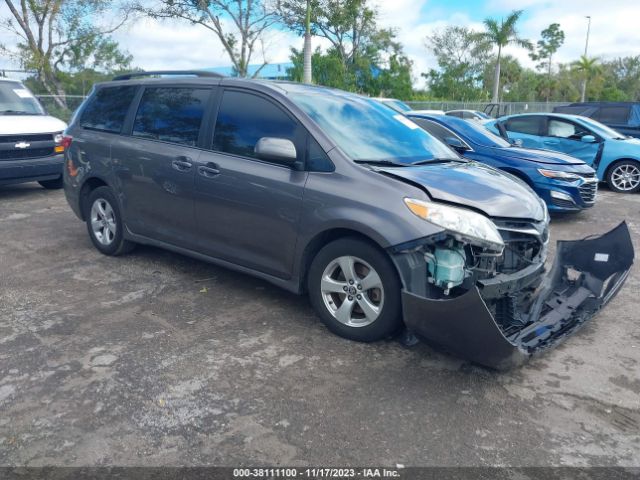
{"x": 468, "y": 225}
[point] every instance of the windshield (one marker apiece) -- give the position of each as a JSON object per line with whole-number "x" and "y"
{"x": 479, "y": 135}
{"x": 366, "y": 130}
{"x": 15, "y": 99}
{"x": 602, "y": 129}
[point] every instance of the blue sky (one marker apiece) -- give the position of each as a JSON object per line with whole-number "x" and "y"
{"x": 615, "y": 31}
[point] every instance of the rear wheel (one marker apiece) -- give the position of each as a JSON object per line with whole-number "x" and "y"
{"x": 354, "y": 288}
{"x": 54, "y": 184}
{"x": 624, "y": 176}
{"x": 104, "y": 223}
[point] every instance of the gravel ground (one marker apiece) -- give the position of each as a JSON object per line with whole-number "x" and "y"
{"x": 158, "y": 359}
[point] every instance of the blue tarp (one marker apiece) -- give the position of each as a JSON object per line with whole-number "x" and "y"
{"x": 634, "y": 118}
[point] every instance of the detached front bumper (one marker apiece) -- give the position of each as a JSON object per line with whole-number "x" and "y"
{"x": 586, "y": 274}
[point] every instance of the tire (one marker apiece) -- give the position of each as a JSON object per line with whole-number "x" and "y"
{"x": 367, "y": 314}
{"x": 54, "y": 184}
{"x": 624, "y": 176}
{"x": 104, "y": 223}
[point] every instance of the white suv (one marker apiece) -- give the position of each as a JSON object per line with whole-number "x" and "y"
{"x": 31, "y": 146}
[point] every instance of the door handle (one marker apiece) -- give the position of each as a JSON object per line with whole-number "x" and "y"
{"x": 209, "y": 170}
{"x": 182, "y": 164}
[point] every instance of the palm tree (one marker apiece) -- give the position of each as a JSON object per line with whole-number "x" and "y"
{"x": 588, "y": 67}
{"x": 501, "y": 34}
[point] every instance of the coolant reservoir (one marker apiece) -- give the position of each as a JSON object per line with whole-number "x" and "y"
{"x": 446, "y": 267}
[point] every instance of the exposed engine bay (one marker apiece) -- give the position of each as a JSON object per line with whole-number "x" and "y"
{"x": 502, "y": 298}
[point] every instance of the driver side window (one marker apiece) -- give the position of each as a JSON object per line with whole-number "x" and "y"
{"x": 564, "y": 129}
{"x": 244, "y": 118}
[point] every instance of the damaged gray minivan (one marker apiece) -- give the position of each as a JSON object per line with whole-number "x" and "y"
{"x": 326, "y": 192}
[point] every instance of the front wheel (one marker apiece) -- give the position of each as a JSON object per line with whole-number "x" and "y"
{"x": 624, "y": 176}
{"x": 354, "y": 288}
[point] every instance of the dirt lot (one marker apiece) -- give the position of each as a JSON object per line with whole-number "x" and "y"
{"x": 157, "y": 359}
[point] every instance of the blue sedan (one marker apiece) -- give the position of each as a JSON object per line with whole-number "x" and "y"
{"x": 565, "y": 183}
{"x": 614, "y": 156}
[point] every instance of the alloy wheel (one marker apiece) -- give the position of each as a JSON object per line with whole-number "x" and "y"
{"x": 103, "y": 221}
{"x": 625, "y": 177}
{"x": 352, "y": 291}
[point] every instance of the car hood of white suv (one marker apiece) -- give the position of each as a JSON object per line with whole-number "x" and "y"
{"x": 28, "y": 124}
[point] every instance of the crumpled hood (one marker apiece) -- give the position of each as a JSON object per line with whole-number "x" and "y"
{"x": 546, "y": 157}
{"x": 25, "y": 124}
{"x": 475, "y": 185}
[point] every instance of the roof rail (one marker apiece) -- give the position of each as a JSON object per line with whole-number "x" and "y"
{"x": 195, "y": 73}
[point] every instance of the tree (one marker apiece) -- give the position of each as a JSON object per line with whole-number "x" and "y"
{"x": 511, "y": 76}
{"x": 461, "y": 57}
{"x": 381, "y": 68}
{"x": 58, "y": 35}
{"x": 307, "y": 78}
{"x": 347, "y": 24}
{"x": 588, "y": 68}
{"x": 239, "y": 25}
{"x": 552, "y": 39}
{"x": 502, "y": 34}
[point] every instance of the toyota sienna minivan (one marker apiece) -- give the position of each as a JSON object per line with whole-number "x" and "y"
{"x": 332, "y": 194}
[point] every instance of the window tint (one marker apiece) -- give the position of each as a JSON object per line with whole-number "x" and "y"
{"x": 107, "y": 109}
{"x": 433, "y": 128}
{"x": 454, "y": 114}
{"x": 564, "y": 129}
{"x": 317, "y": 160}
{"x": 243, "y": 119}
{"x": 171, "y": 114}
{"x": 612, "y": 114}
{"x": 527, "y": 125}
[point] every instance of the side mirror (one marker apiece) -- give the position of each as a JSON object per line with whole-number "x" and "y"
{"x": 276, "y": 150}
{"x": 456, "y": 144}
{"x": 516, "y": 142}
{"x": 588, "y": 139}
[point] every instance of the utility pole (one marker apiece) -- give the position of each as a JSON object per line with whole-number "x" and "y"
{"x": 306, "y": 68}
{"x": 586, "y": 48}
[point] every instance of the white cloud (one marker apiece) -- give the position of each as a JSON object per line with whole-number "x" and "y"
{"x": 614, "y": 25}
{"x": 172, "y": 44}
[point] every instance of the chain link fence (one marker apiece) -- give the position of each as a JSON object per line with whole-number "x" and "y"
{"x": 506, "y": 108}
{"x": 61, "y": 106}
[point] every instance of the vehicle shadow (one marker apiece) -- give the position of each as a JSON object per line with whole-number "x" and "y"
{"x": 15, "y": 192}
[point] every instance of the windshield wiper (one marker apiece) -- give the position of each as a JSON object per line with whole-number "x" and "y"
{"x": 15, "y": 112}
{"x": 385, "y": 163}
{"x": 438, "y": 160}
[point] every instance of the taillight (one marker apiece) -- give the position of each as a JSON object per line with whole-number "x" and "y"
{"x": 66, "y": 141}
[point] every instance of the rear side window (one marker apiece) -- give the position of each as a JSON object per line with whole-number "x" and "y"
{"x": 171, "y": 114}
{"x": 526, "y": 125}
{"x": 612, "y": 114}
{"x": 107, "y": 109}
{"x": 243, "y": 119}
